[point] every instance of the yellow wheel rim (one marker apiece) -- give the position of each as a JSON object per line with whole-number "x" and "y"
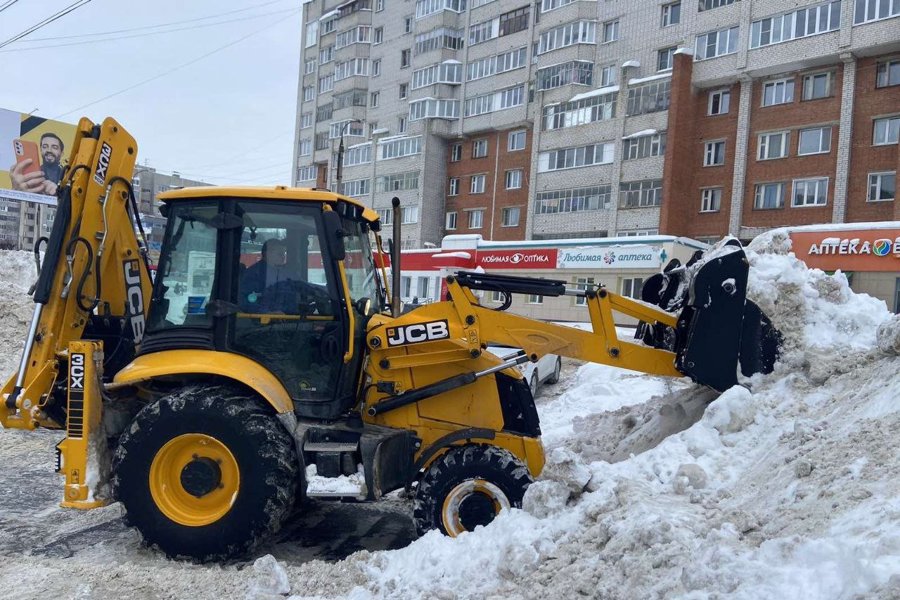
{"x": 450, "y": 516}
{"x": 187, "y": 454}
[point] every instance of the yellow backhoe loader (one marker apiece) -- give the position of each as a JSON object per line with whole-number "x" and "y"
{"x": 269, "y": 355}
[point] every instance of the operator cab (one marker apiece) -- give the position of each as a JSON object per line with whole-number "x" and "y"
{"x": 254, "y": 272}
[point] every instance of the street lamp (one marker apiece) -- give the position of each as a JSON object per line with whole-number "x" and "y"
{"x": 340, "y": 156}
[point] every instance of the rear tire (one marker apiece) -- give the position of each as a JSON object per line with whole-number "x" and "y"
{"x": 467, "y": 487}
{"x": 206, "y": 472}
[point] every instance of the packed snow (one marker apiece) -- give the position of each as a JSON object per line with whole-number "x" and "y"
{"x": 785, "y": 487}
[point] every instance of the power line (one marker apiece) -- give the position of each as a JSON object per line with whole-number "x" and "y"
{"x": 149, "y": 33}
{"x": 72, "y": 7}
{"x": 7, "y": 5}
{"x": 172, "y": 70}
{"x": 143, "y": 27}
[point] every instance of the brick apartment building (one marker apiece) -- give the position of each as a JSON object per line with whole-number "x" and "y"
{"x": 593, "y": 118}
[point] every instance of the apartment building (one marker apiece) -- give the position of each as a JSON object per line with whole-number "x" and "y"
{"x": 593, "y": 118}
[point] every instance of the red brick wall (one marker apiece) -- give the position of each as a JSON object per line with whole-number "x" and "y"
{"x": 494, "y": 167}
{"x": 870, "y": 102}
{"x": 684, "y": 176}
{"x": 793, "y": 117}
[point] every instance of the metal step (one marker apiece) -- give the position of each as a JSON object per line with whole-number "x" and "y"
{"x": 330, "y": 447}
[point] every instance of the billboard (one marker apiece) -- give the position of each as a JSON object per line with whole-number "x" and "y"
{"x": 32, "y": 152}
{"x": 637, "y": 256}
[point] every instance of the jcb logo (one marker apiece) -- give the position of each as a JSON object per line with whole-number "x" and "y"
{"x": 134, "y": 298}
{"x": 419, "y": 332}
{"x": 102, "y": 163}
{"x": 76, "y": 372}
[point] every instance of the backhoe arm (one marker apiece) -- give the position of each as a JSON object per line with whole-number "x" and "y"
{"x": 93, "y": 281}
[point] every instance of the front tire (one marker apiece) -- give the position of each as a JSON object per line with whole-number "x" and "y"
{"x": 557, "y": 370}
{"x": 468, "y": 486}
{"x": 206, "y": 472}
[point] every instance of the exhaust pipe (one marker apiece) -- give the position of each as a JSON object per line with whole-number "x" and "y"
{"x": 395, "y": 260}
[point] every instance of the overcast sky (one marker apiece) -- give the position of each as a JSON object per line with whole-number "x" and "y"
{"x": 226, "y": 118}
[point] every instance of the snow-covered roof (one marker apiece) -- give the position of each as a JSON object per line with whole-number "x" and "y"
{"x": 328, "y": 15}
{"x": 648, "y": 79}
{"x": 598, "y": 92}
{"x": 641, "y": 133}
{"x": 826, "y": 227}
{"x": 631, "y": 63}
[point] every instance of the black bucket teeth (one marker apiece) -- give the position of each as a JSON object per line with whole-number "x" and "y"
{"x": 718, "y": 329}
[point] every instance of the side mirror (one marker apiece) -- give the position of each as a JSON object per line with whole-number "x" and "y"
{"x": 334, "y": 234}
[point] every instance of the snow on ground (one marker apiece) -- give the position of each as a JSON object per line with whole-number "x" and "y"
{"x": 786, "y": 488}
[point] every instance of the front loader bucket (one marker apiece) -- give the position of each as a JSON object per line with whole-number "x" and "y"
{"x": 718, "y": 329}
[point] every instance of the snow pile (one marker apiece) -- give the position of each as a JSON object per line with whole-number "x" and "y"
{"x": 17, "y": 273}
{"x": 654, "y": 488}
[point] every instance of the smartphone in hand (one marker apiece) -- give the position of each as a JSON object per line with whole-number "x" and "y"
{"x": 24, "y": 149}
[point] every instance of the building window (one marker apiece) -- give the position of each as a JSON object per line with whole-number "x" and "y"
{"x": 710, "y": 4}
{"x": 309, "y": 92}
{"x": 780, "y": 91}
{"x": 456, "y": 153}
{"x": 407, "y": 24}
{"x": 310, "y": 66}
{"x": 773, "y": 145}
{"x": 769, "y": 195}
{"x": 717, "y": 43}
{"x": 818, "y": 85}
{"x": 514, "y": 21}
{"x": 580, "y": 112}
{"x": 581, "y": 156}
{"x": 644, "y": 146}
{"x": 405, "y": 58}
{"x": 401, "y": 125}
{"x": 810, "y": 192}
{"x": 583, "y": 284}
{"x": 648, "y": 98}
{"x": 376, "y": 67}
{"x": 714, "y": 153}
{"x": 887, "y": 131}
{"x": 866, "y": 11}
{"x": 576, "y": 71}
{"x": 373, "y": 99}
{"x": 450, "y": 221}
{"x": 479, "y": 148}
{"x": 516, "y": 140}
{"x": 887, "y": 73}
{"x": 632, "y": 286}
{"x": 608, "y": 75}
{"x": 305, "y": 147}
{"x": 882, "y": 186}
{"x": 409, "y": 214}
{"x": 454, "y": 186}
{"x": 573, "y": 200}
{"x": 510, "y": 216}
{"x": 404, "y": 91}
{"x": 379, "y": 5}
{"x": 640, "y": 194}
{"x": 610, "y": 31}
{"x": 306, "y": 120}
{"x": 671, "y": 14}
{"x": 577, "y": 32}
{"x": 816, "y": 140}
{"x": 476, "y": 218}
{"x": 476, "y": 185}
{"x": 535, "y": 299}
{"x": 665, "y": 58}
{"x": 719, "y": 102}
{"x": 807, "y": 21}
{"x": 378, "y": 35}
{"x": 711, "y": 200}
{"x": 398, "y": 181}
{"x": 514, "y": 179}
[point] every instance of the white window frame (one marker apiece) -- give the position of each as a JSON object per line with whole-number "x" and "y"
{"x": 456, "y": 153}
{"x": 820, "y": 183}
{"x": 889, "y": 128}
{"x": 632, "y": 286}
{"x": 824, "y": 140}
{"x": 886, "y": 70}
{"x": 610, "y": 31}
{"x": 670, "y": 16}
{"x": 724, "y": 99}
{"x": 479, "y": 148}
{"x": 711, "y": 200}
{"x": 514, "y": 179}
{"x": 875, "y": 184}
{"x": 450, "y": 221}
{"x": 476, "y": 218}
{"x": 512, "y": 141}
{"x": 506, "y": 216}
{"x": 764, "y": 145}
{"x": 477, "y": 183}
{"x": 453, "y": 187}
{"x": 535, "y": 299}
{"x": 809, "y": 86}
{"x": 759, "y": 195}
{"x": 725, "y": 43}
{"x": 711, "y": 153}
{"x": 669, "y": 53}
{"x": 787, "y": 91}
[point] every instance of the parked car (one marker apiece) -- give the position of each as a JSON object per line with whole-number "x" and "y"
{"x": 545, "y": 370}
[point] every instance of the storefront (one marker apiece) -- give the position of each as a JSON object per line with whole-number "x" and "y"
{"x": 620, "y": 264}
{"x": 868, "y": 253}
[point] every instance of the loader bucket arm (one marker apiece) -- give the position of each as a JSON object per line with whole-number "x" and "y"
{"x": 708, "y": 332}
